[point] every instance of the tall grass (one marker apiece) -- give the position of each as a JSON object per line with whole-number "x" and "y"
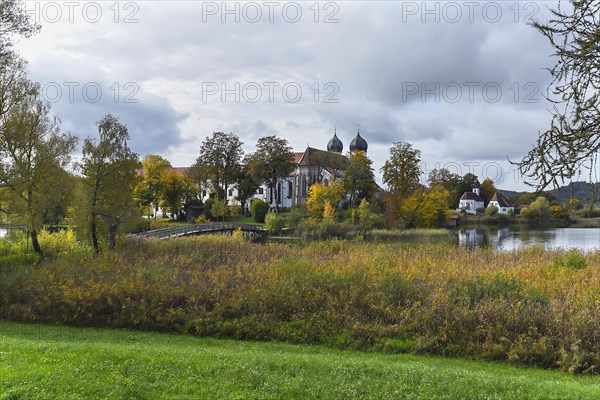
{"x": 528, "y": 307}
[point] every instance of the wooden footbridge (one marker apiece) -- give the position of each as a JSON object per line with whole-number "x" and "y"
{"x": 250, "y": 231}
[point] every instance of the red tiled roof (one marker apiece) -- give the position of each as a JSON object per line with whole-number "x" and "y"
{"x": 502, "y": 201}
{"x": 471, "y": 196}
{"x": 298, "y": 157}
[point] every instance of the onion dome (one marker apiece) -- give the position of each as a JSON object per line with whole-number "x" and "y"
{"x": 358, "y": 143}
{"x": 335, "y": 145}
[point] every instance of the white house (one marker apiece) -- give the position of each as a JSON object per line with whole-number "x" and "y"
{"x": 502, "y": 203}
{"x": 471, "y": 201}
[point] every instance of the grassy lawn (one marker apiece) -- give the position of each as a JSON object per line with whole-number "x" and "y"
{"x": 50, "y": 362}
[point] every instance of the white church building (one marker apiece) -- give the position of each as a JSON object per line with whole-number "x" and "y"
{"x": 471, "y": 201}
{"x": 312, "y": 165}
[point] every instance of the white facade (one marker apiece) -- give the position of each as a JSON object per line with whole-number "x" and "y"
{"x": 503, "y": 205}
{"x": 469, "y": 206}
{"x": 471, "y": 201}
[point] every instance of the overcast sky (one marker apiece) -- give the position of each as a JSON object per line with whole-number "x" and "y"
{"x": 463, "y": 81}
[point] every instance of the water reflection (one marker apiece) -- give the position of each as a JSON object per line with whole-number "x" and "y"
{"x": 516, "y": 237}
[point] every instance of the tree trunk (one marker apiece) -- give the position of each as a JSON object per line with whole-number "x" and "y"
{"x": 112, "y": 237}
{"x": 93, "y": 229}
{"x": 35, "y": 243}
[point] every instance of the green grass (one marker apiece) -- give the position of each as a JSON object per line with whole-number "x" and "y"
{"x": 52, "y": 362}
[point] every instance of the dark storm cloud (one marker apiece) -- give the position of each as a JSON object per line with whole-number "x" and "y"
{"x": 81, "y": 95}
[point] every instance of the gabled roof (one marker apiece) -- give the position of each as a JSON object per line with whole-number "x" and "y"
{"x": 471, "y": 196}
{"x": 501, "y": 200}
{"x": 325, "y": 159}
{"x": 298, "y": 157}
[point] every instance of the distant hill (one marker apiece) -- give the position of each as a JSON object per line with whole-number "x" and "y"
{"x": 582, "y": 191}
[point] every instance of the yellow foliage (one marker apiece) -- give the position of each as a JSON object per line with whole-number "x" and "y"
{"x": 328, "y": 210}
{"x": 201, "y": 219}
{"x": 319, "y": 194}
{"x": 238, "y": 235}
{"x": 426, "y": 209}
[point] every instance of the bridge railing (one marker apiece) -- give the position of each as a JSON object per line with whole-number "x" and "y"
{"x": 200, "y": 228}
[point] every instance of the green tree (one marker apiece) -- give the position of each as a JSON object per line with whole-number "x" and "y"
{"x": 402, "y": 171}
{"x": 572, "y": 141}
{"x": 539, "y": 209}
{"x": 149, "y": 188}
{"x": 359, "y": 179}
{"x": 246, "y": 183}
{"x": 109, "y": 175}
{"x": 219, "y": 161}
{"x": 34, "y": 154}
{"x": 272, "y": 161}
{"x": 176, "y": 190}
{"x": 445, "y": 178}
{"x": 259, "y": 209}
{"x": 487, "y": 190}
{"x": 219, "y": 209}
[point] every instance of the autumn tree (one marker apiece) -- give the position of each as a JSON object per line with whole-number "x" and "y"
{"x": 425, "y": 208}
{"x": 149, "y": 188}
{"x": 324, "y": 199}
{"x": 572, "y": 141}
{"x": 272, "y": 161}
{"x": 34, "y": 153}
{"x": 359, "y": 179}
{"x": 109, "y": 174}
{"x": 176, "y": 190}
{"x": 219, "y": 161}
{"x": 402, "y": 171}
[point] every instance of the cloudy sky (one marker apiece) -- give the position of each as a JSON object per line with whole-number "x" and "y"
{"x": 464, "y": 82}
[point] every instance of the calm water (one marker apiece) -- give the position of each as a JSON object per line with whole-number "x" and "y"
{"x": 516, "y": 237}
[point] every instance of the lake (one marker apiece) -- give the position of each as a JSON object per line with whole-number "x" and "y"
{"x": 516, "y": 237}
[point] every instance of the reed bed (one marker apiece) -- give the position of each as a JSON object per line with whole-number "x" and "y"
{"x": 531, "y": 306}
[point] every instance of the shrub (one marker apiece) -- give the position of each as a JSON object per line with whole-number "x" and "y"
{"x": 238, "y": 235}
{"x": 572, "y": 259}
{"x": 139, "y": 225}
{"x": 295, "y": 216}
{"x": 322, "y": 230}
{"x": 259, "y": 209}
{"x": 491, "y": 211}
{"x": 54, "y": 244}
{"x": 273, "y": 223}
{"x": 201, "y": 219}
{"x": 557, "y": 212}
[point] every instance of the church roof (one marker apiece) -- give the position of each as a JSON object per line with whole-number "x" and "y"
{"x": 358, "y": 143}
{"x": 335, "y": 144}
{"x": 471, "y": 196}
{"x": 328, "y": 160}
{"x": 502, "y": 201}
{"x": 298, "y": 157}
